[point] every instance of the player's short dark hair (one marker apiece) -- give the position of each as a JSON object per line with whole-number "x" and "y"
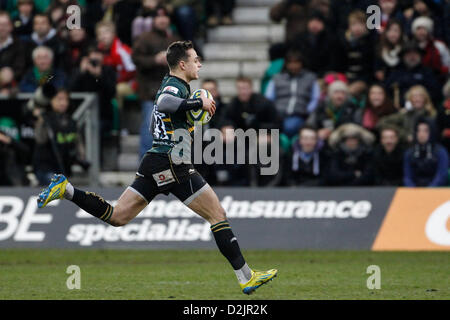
{"x": 294, "y": 55}
{"x": 245, "y": 79}
{"x": 177, "y": 52}
{"x": 43, "y": 15}
{"x": 209, "y": 80}
{"x": 307, "y": 127}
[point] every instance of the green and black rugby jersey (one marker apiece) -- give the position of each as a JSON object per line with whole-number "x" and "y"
{"x": 163, "y": 125}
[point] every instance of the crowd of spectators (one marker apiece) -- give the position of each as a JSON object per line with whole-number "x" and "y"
{"x": 354, "y": 105}
{"x": 117, "y": 51}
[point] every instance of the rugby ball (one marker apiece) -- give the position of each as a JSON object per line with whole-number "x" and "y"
{"x": 199, "y": 115}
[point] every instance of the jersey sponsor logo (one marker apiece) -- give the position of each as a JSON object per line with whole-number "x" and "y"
{"x": 164, "y": 177}
{"x": 171, "y": 89}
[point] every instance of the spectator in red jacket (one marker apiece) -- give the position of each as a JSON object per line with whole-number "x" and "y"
{"x": 118, "y": 56}
{"x": 436, "y": 54}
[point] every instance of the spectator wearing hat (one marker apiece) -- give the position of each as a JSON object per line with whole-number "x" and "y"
{"x": 149, "y": 56}
{"x": 351, "y": 158}
{"x": 295, "y": 92}
{"x": 426, "y": 162}
{"x": 443, "y": 118}
{"x": 411, "y": 72}
{"x": 335, "y": 110}
{"x": 424, "y": 8}
{"x": 435, "y": 53}
{"x": 388, "y": 49}
{"x": 316, "y": 44}
{"x": 23, "y": 21}
{"x": 388, "y": 158}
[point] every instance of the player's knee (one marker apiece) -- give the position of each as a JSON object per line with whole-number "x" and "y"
{"x": 221, "y": 214}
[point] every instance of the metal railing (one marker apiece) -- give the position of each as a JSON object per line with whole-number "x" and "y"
{"x": 87, "y": 116}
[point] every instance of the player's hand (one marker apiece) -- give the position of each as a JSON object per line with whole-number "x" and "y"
{"x": 208, "y": 105}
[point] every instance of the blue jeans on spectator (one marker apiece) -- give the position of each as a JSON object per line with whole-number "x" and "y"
{"x": 291, "y": 125}
{"x": 146, "y": 136}
{"x": 185, "y": 20}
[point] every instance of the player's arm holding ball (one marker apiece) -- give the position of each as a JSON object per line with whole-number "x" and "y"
{"x": 169, "y": 102}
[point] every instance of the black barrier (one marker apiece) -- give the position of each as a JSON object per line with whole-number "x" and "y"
{"x": 269, "y": 218}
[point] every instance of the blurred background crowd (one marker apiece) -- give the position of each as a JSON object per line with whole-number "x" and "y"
{"x": 354, "y": 105}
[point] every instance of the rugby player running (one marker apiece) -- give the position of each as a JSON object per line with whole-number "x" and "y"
{"x": 159, "y": 172}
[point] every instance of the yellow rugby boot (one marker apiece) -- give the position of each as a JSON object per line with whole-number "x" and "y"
{"x": 258, "y": 279}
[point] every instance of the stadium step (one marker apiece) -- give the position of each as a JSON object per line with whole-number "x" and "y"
{"x": 247, "y": 33}
{"x": 233, "y": 69}
{"x": 256, "y": 3}
{"x": 128, "y": 158}
{"x": 117, "y": 178}
{"x": 251, "y": 15}
{"x": 235, "y": 51}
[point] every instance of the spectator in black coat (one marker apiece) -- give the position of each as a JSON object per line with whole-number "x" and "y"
{"x": 93, "y": 76}
{"x": 388, "y": 50}
{"x": 355, "y": 54}
{"x": 341, "y": 9}
{"x": 317, "y": 45}
{"x": 388, "y": 158}
{"x": 58, "y": 145}
{"x": 23, "y": 22}
{"x": 426, "y": 162}
{"x": 12, "y": 53}
{"x": 411, "y": 72}
{"x": 45, "y": 35}
{"x": 351, "y": 159}
{"x": 250, "y": 110}
{"x": 121, "y": 13}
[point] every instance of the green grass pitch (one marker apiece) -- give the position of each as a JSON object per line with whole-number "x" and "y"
{"x": 205, "y": 274}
